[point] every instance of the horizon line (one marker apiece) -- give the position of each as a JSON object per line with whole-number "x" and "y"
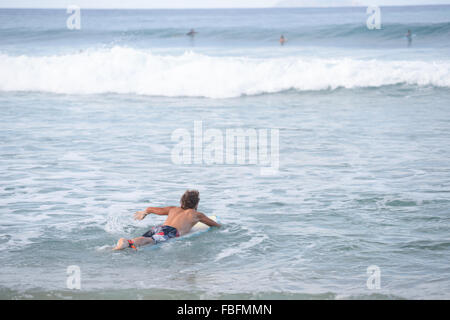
{"x": 221, "y": 8}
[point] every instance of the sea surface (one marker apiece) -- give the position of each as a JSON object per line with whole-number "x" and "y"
{"x": 87, "y": 119}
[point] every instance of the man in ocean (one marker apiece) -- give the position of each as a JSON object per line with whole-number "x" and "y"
{"x": 409, "y": 37}
{"x": 191, "y": 33}
{"x": 179, "y": 222}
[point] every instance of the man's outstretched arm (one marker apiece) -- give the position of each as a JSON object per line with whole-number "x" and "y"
{"x": 209, "y": 222}
{"x": 139, "y": 215}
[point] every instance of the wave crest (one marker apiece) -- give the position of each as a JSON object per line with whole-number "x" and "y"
{"x": 130, "y": 71}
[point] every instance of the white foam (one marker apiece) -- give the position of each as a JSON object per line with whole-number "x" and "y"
{"x": 104, "y": 248}
{"x": 240, "y": 248}
{"x": 20, "y": 239}
{"x": 127, "y": 70}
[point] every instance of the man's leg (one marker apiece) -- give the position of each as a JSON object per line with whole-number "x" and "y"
{"x": 138, "y": 242}
{"x": 142, "y": 241}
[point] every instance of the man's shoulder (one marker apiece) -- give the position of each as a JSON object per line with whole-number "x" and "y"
{"x": 179, "y": 209}
{"x": 174, "y": 210}
{"x": 191, "y": 212}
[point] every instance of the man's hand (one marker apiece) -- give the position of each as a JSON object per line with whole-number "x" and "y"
{"x": 139, "y": 215}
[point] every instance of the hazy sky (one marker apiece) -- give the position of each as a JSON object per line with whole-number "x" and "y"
{"x": 203, "y": 3}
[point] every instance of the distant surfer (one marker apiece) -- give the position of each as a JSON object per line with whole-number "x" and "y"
{"x": 191, "y": 33}
{"x": 409, "y": 37}
{"x": 179, "y": 222}
{"x": 282, "y": 40}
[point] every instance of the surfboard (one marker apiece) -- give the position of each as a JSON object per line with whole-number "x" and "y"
{"x": 200, "y": 226}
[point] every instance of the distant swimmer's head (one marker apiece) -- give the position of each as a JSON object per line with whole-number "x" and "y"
{"x": 190, "y": 199}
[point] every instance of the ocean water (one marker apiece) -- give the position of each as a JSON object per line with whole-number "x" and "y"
{"x": 86, "y": 124}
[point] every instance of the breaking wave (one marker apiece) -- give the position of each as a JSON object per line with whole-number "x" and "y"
{"x": 125, "y": 70}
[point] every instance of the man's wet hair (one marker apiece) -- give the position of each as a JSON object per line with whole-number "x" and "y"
{"x": 190, "y": 199}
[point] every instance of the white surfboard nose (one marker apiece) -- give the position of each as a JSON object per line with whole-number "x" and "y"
{"x": 199, "y": 226}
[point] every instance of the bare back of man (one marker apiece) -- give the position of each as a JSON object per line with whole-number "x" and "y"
{"x": 179, "y": 222}
{"x": 184, "y": 220}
